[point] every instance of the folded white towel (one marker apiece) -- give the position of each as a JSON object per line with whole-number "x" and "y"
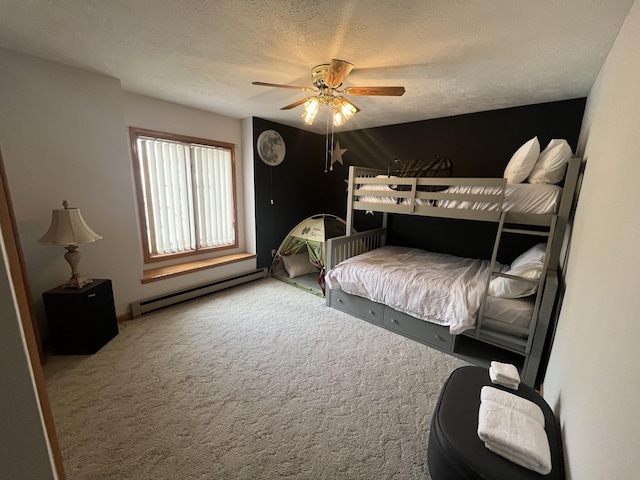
{"x": 513, "y": 401}
{"x": 504, "y": 374}
{"x": 505, "y": 383}
{"x": 515, "y": 436}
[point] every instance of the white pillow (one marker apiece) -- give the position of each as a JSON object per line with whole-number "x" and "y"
{"x": 552, "y": 163}
{"x": 522, "y": 162}
{"x": 510, "y": 288}
{"x": 298, "y": 264}
{"x": 534, "y": 256}
{"x": 527, "y": 265}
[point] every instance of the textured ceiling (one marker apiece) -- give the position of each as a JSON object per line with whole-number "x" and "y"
{"x": 452, "y": 56}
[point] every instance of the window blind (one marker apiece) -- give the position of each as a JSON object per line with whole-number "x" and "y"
{"x": 188, "y": 195}
{"x": 214, "y": 193}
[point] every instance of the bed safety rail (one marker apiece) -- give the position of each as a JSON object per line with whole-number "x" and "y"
{"x": 341, "y": 248}
{"x": 373, "y": 190}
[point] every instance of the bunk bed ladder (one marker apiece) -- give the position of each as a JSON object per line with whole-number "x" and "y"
{"x": 541, "y": 283}
{"x": 515, "y": 340}
{"x": 492, "y": 268}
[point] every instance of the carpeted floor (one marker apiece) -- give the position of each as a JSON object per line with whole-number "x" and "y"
{"x": 261, "y": 381}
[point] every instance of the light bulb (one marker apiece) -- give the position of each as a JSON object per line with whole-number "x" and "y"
{"x": 311, "y": 108}
{"x": 343, "y": 110}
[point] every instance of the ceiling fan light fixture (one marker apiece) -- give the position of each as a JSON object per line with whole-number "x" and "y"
{"x": 343, "y": 110}
{"x": 327, "y": 79}
{"x": 311, "y": 108}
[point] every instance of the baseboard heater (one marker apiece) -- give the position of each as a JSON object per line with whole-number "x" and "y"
{"x": 162, "y": 301}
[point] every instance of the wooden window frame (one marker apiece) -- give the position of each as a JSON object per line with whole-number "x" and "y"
{"x": 134, "y": 134}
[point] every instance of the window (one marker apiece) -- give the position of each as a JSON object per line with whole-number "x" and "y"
{"x": 186, "y": 193}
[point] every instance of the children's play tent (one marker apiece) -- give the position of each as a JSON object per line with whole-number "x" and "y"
{"x": 301, "y": 258}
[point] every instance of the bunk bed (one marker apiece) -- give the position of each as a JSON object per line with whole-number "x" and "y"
{"x": 513, "y": 330}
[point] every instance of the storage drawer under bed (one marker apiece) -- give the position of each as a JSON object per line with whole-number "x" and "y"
{"x": 357, "y": 306}
{"x": 425, "y": 332}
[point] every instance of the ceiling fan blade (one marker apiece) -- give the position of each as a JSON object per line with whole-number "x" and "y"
{"x": 277, "y": 85}
{"x": 338, "y": 71}
{"x": 295, "y": 104}
{"x": 378, "y": 91}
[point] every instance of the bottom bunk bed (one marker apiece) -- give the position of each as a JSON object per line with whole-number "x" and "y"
{"x": 440, "y": 300}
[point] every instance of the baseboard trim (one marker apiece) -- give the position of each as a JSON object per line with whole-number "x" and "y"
{"x": 156, "y": 303}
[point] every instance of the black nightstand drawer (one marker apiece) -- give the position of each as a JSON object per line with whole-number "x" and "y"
{"x": 81, "y": 320}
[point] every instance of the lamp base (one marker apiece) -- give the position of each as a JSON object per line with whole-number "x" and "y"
{"x": 76, "y": 281}
{"x": 72, "y": 256}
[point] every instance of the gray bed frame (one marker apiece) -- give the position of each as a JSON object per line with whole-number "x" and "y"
{"x": 489, "y": 340}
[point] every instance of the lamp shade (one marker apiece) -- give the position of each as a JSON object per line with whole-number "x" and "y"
{"x": 68, "y": 228}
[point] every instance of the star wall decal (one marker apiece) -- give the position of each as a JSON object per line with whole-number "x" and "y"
{"x": 336, "y": 154}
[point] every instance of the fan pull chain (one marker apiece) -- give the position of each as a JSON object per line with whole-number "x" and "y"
{"x": 332, "y": 147}
{"x": 326, "y": 143}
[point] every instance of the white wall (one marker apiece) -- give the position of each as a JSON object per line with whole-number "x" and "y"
{"x": 593, "y": 378}
{"x": 21, "y": 423}
{"x": 63, "y": 136}
{"x": 147, "y": 112}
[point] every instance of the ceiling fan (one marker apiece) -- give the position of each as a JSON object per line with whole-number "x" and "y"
{"x": 327, "y": 79}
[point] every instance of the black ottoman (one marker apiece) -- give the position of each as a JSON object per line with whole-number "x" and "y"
{"x": 455, "y": 450}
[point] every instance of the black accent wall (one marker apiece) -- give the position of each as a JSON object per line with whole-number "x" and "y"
{"x": 290, "y": 192}
{"x": 479, "y": 144}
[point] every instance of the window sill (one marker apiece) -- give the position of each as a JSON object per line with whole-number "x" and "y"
{"x": 162, "y": 273}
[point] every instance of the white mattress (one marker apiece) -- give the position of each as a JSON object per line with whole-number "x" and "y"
{"x": 438, "y": 288}
{"x": 511, "y": 311}
{"x": 521, "y": 197}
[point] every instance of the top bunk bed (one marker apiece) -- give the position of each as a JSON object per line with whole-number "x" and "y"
{"x": 533, "y": 202}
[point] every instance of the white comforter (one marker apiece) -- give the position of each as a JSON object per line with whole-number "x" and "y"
{"x": 435, "y": 287}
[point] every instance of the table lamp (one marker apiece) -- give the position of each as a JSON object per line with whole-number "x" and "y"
{"x": 68, "y": 229}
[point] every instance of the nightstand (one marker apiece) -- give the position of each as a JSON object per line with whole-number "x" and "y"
{"x": 81, "y": 320}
